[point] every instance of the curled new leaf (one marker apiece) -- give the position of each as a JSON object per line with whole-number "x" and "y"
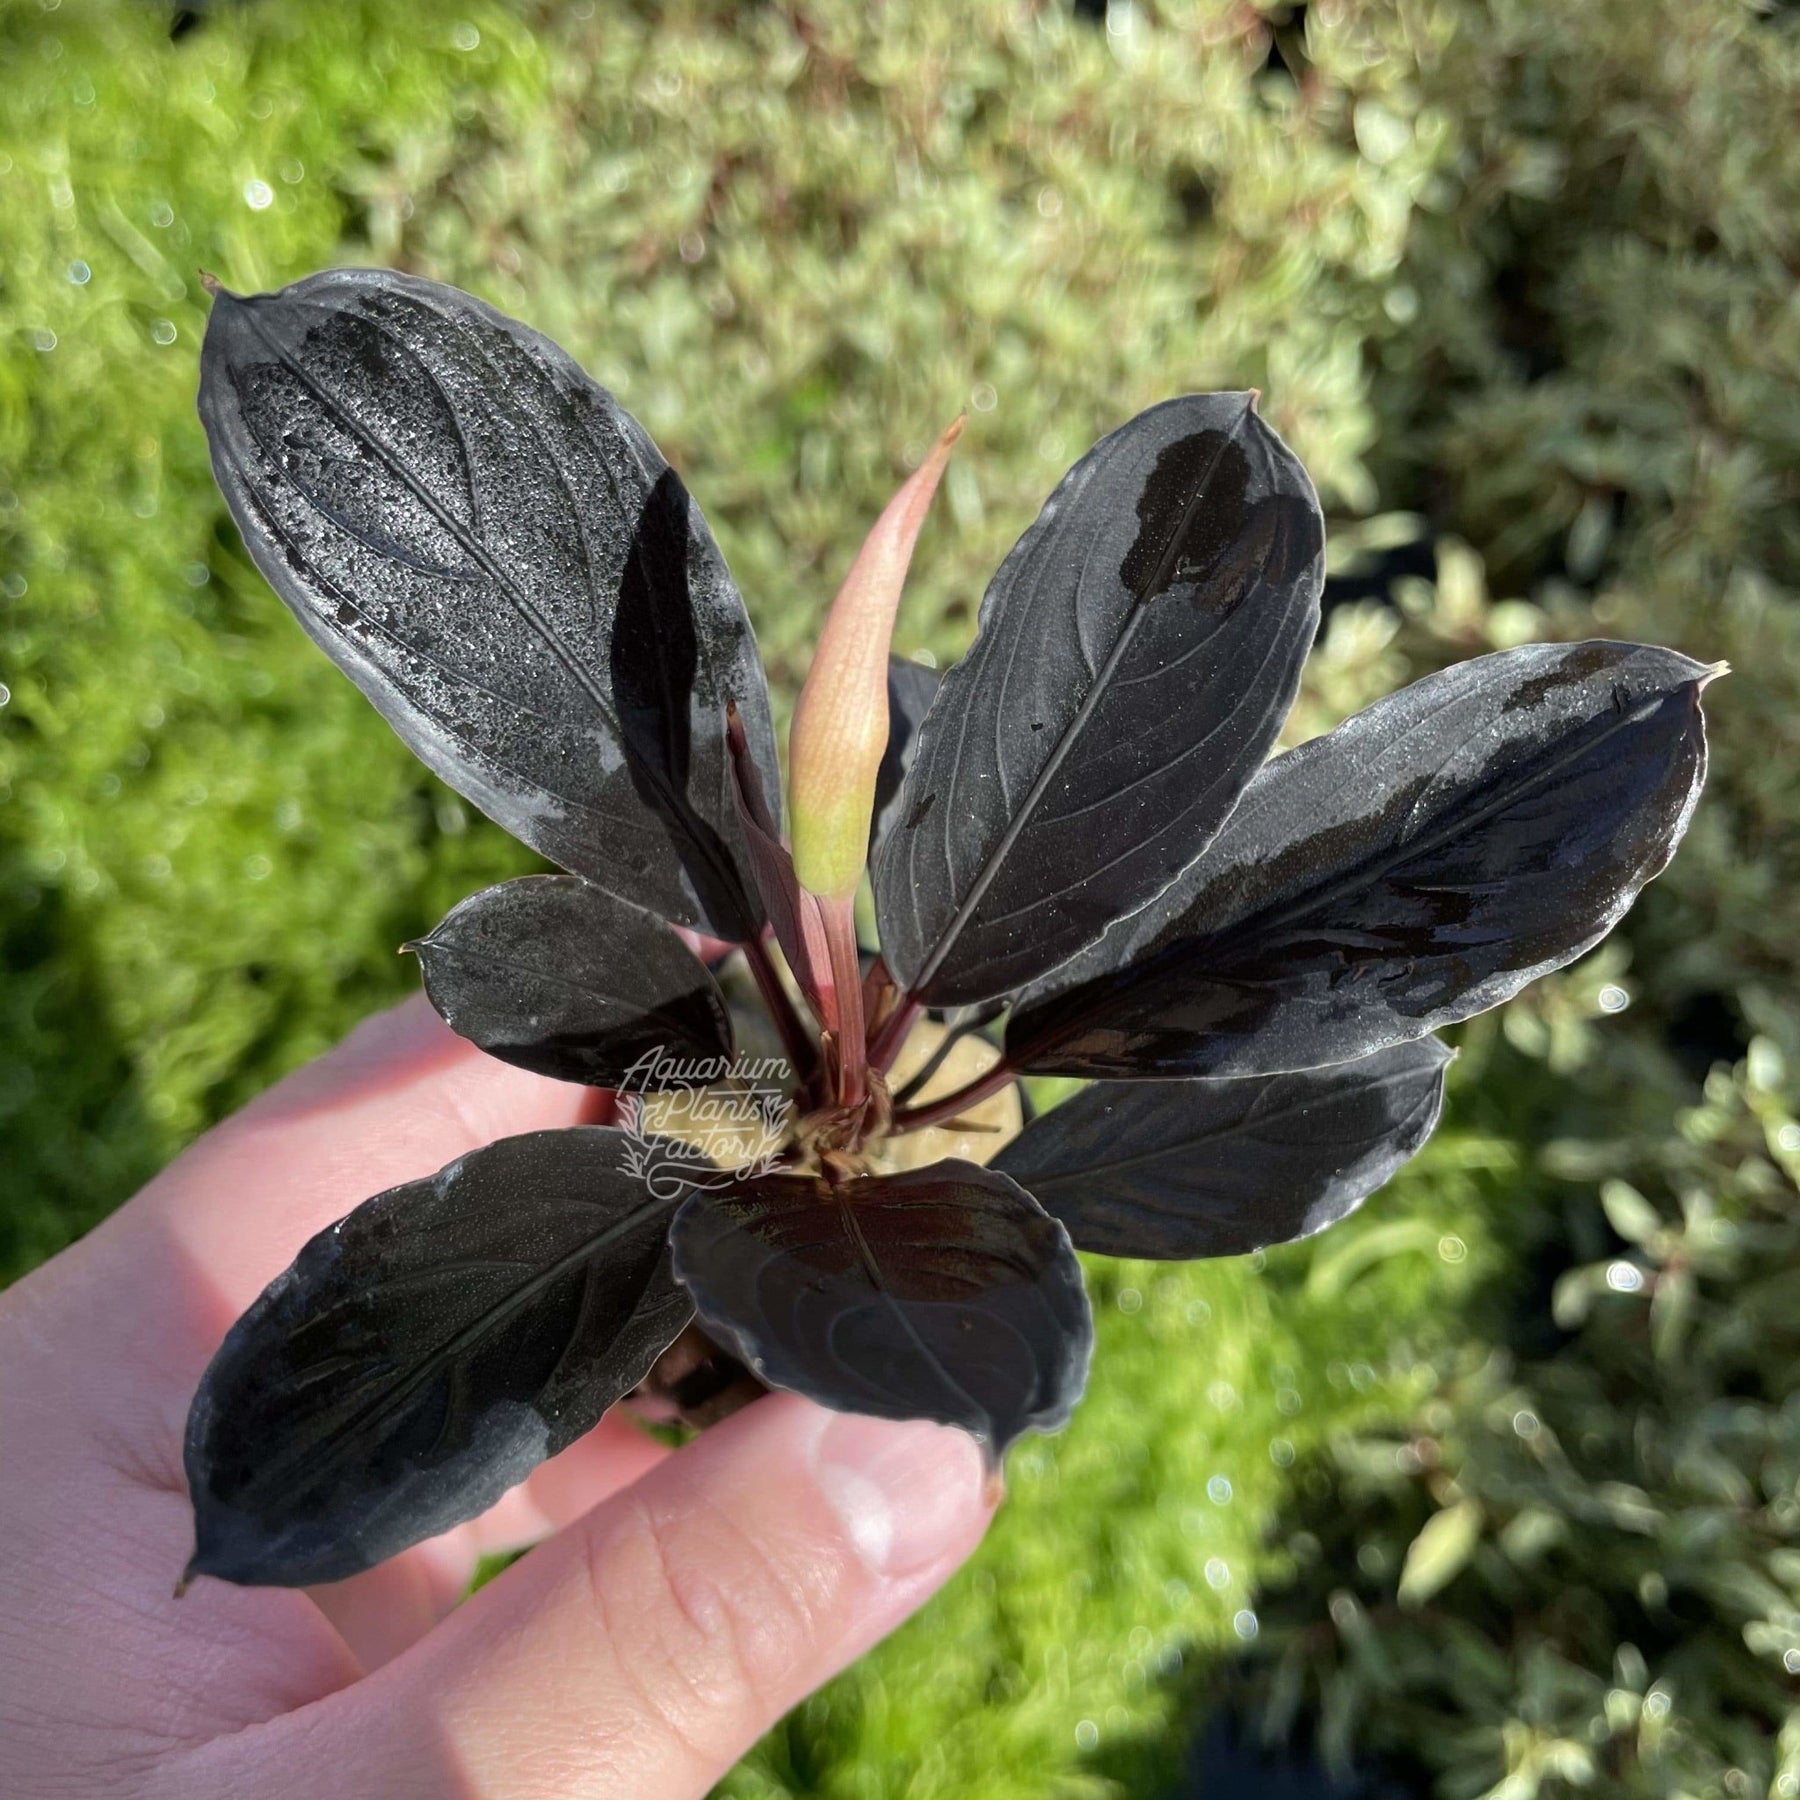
{"x": 425, "y": 1354}
{"x": 840, "y": 729}
{"x": 1137, "y": 653}
{"x": 1177, "y": 1169}
{"x": 1414, "y": 867}
{"x": 497, "y": 555}
{"x": 559, "y": 977}
{"x": 943, "y": 1293}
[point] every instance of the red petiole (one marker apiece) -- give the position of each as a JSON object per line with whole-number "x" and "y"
{"x": 846, "y": 999}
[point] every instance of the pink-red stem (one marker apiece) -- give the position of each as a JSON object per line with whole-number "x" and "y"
{"x": 839, "y": 917}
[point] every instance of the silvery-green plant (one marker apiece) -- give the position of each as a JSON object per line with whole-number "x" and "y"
{"x": 1077, "y": 830}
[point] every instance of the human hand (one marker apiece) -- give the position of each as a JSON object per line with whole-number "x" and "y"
{"x": 683, "y": 1603}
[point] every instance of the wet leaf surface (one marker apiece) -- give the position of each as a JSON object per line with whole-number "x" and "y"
{"x": 1416, "y": 866}
{"x": 560, "y": 977}
{"x": 1182, "y": 1169}
{"x": 426, "y": 1354}
{"x": 1138, "y": 651}
{"x": 941, "y": 1293}
{"x": 499, "y": 557}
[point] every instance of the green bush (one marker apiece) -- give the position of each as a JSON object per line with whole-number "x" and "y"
{"x": 1517, "y": 282}
{"x": 208, "y": 849}
{"x": 1577, "y": 1564}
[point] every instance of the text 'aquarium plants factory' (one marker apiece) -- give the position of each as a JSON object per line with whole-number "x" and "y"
{"x": 1083, "y": 861}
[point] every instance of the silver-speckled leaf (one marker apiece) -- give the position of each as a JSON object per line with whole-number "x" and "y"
{"x": 943, "y": 1293}
{"x": 1414, "y": 867}
{"x": 560, "y": 977}
{"x": 1181, "y": 1169}
{"x": 499, "y": 557}
{"x": 426, "y": 1354}
{"x": 1137, "y": 653}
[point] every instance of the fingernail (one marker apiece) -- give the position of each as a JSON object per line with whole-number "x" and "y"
{"x": 909, "y": 1494}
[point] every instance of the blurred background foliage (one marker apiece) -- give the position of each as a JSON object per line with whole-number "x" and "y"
{"x": 1494, "y": 1490}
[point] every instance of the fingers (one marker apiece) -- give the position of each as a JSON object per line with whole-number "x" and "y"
{"x": 642, "y": 1651}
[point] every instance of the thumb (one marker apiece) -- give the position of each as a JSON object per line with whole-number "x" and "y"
{"x": 646, "y": 1648}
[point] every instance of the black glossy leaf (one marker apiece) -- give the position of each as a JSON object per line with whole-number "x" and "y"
{"x": 425, "y": 1354}
{"x": 1137, "y": 653}
{"x": 1180, "y": 1169}
{"x": 911, "y": 688}
{"x": 562, "y": 978}
{"x": 1416, "y": 866}
{"x": 497, "y": 555}
{"x": 943, "y": 1293}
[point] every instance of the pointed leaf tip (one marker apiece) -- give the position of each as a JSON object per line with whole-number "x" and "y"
{"x": 1412, "y": 868}
{"x": 478, "y": 549}
{"x": 1172, "y": 1170}
{"x": 555, "y": 975}
{"x": 422, "y": 1356}
{"x": 1134, "y": 658}
{"x": 840, "y": 727}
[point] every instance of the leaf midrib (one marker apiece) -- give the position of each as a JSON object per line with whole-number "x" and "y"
{"x": 677, "y": 800}
{"x": 1143, "y": 1158}
{"x": 471, "y": 547}
{"x": 1065, "y": 742}
{"x": 1403, "y": 854}
{"x": 378, "y": 1410}
{"x": 665, "y": 1009}
{"x": 872, "y": 1268}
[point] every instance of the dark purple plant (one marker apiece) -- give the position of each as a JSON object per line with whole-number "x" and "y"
{"x": 1077, "y": 828}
